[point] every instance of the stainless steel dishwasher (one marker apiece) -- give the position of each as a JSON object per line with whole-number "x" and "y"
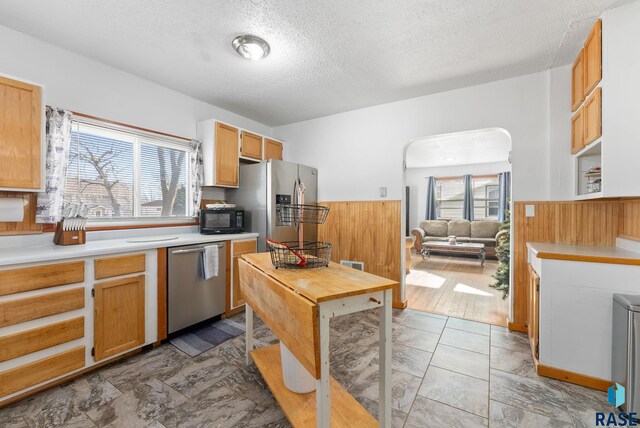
{"x": 191, "y": 298}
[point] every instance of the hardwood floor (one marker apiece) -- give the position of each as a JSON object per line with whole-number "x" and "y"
{"x": 457, "y": 287}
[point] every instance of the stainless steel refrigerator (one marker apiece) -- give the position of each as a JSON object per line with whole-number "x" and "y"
{"x": 267, "y": 184}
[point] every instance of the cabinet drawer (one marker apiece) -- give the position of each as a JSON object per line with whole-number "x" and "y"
{"x": 37, "y": 277}
{"x": 116, "y": 266}
{"x": 31, "y": 308}
{"x": 244, "y": 247}
{"x": 29, "y": 341}
{"x": 39, "y": 371}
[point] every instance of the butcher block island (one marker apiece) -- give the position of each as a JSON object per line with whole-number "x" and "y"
{"x": 297, "y": 304}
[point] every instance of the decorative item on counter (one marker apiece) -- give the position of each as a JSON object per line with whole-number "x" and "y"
{"x": 71, "y": 230}
{"x": 452, "y": 240}
{"x": 594, "y": 179}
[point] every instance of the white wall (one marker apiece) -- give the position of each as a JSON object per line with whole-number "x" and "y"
{"x": 417, "y": 182}
{"x": 561, "y": 167}
{"x": 359, "y": 151}
{"x": 77, "y": 83}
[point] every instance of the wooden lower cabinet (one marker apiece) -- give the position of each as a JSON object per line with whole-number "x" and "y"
{"x": 119, "y": 314}
{"x": 238, "y": 248}
{"x": 533, "y": 323}
{"x": 39, "y": 371}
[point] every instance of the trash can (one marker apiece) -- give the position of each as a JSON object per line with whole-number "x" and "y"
{"x": 625, "y": 348}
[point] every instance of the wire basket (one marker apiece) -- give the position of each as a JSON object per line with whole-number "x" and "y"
{"x": 290, "y": 214}
{"x": 290, "y": 255}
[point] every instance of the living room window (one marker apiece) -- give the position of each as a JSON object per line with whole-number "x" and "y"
{"x": 125, "y": 174}
{"x": 450, "y": 197}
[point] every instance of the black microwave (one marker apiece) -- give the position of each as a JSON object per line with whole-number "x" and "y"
{"x": 223, "y": 220}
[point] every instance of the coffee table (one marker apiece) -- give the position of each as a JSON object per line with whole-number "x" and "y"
{"x": 458, "y": 248}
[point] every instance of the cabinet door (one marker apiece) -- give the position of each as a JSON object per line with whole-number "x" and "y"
{"x": 272, "y": 149}
{"x": 226, "y": 149}
{"x": 239, "y": 248}
{"x": 593, "y": 117}
{"x": 251, "y": 145}
{"x": 118, "y": 316}
{"x": 577, "y": 131}
{"x": 20, "y": 135}
{"x": 577, "y": 82}
{"x": 593, "y": 58}
{"x": 534, "y": 311}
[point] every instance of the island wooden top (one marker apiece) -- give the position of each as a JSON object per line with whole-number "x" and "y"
{"x": 321, "y": 284}
{"x": 584, "y": 253}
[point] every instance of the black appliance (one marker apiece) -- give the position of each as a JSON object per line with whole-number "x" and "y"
{"x": 221, "y": 220}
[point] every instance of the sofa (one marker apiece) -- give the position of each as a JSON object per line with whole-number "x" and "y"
{"x": 485, "y": 232}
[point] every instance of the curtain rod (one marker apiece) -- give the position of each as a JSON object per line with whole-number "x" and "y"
{"x": 459, "y": 177}
{"x": 113, "y": 122}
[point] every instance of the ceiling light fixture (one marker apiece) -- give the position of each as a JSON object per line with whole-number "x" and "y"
{"x": 251, "y": 47}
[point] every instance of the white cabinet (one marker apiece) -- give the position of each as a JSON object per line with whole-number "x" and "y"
{"x": 576, "y": 310}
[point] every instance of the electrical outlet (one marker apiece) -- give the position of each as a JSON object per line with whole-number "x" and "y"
{"x": 530, "y": 210}
{"x": 383, "y": 192}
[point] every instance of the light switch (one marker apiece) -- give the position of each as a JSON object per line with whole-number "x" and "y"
{"x": 383, "y": 192}
{"x": 530, "y": 210}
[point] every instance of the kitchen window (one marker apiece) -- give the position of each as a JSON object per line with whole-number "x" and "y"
{"x": 124, "y": 174}
{"x": 450, "y": 197}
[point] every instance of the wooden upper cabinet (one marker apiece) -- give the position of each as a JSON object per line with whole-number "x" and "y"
{"x": 118, "y": 316}
{"x": 593, "y": 58}
{"x": 20, "y": 135}
{"x": 250, "y": 145}
{"x": 226, "y": 155}
{"x": 593, "y": 117}
{"x": 577, "y": 131}
{"x": 577, "y": 82}
{"x": 272, "y": 149}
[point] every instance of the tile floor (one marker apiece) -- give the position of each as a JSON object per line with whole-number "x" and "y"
{"x": 446, "y": 372}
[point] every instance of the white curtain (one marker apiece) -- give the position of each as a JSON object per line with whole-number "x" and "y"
{"x": 197, "y": 176}
{"x": 50, "y": 203}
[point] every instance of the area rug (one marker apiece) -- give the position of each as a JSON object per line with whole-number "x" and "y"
{"x": 201, "y": 340}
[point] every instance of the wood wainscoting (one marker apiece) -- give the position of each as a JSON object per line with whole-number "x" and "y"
{"x": 565, "y": 222}
{"x": 630, "y": 219}
{"x": 369, "y": 232}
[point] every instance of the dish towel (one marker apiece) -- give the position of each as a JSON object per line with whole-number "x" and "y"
{"x": 210, "y": 264}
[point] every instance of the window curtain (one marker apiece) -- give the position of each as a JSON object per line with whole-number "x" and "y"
{"x": 58, "y": 137}
{"x": 197, "y": 176}
{"x": 432, "y": 213}
{"x": 504, "y": 189}
{"x": 467, "y": 203}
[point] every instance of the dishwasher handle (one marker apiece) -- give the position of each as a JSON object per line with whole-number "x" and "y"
{"x": 193, "y": 250}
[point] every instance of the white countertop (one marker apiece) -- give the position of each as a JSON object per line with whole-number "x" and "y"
{"x": 586, "y": 253}
{"x": 37, "y": 249}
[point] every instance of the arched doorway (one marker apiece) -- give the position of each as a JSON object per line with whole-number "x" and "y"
{"x": 466, "y": 198}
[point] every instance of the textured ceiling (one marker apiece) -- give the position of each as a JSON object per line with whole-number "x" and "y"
{"x": 460, "y": 148}
{"x": 327, "y": 56}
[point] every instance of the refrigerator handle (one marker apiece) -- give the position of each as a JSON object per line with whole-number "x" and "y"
{"x": 295, "y": 200}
